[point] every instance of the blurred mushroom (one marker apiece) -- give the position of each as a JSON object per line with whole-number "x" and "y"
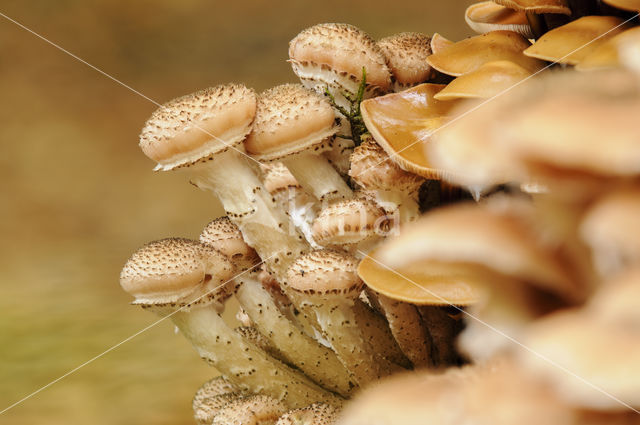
{"x": 186, "y": 279}
{"x": 610, "y": 53}
{"x": 315, "y": 414}
{"x": 489, "y": 16}
{"x": 202, "y": 133}
{"x": 406, "y": 54}
{"x": 252, "y": 410}
{"x": 469, "y": 54}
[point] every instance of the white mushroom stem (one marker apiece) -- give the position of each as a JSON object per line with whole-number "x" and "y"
{"x": 254, "y": 336}
{"x": 398, "y": 204}
{"x": 340, "y": 150}
{"x": 444, "y": 330}
{"x": 316, "y": 175}
{"x": 317, "y": 361}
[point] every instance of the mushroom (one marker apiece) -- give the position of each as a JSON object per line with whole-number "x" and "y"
{"x": 489, "y": 16}
{"x": 394, "y": 189}
{"x": 253, "y": 335}
{"x": 317, "y": 361}
{"x": 212, "y": 397}
{"x": 293, "y": 125}
{"x": 610, "y": 54}
{"x": 406, "y": 54}
{"x": 534, "y": 8}
{"x": 572, "y": 42}
{"x": 315, "y": 414}
{"x": 467, "y": 55}
{"x": 325, "y": 283}
{"x": 201, "y": 133}
{"x": 252, "y": 410}
{"x": 630, "y": 5}
{"x": 439, "y": 43}
{"x": 184, "y": 280}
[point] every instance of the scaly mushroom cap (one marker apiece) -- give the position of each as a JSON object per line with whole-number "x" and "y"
{"x": 610, "y": 227}
{"x": 252, "y": 410}
{"x": 177, "y": 272}
{"x": 325, "y": 272}
{"x": 372, "y": 169}
{"x": 607, "y": 54}
{"x": 488, "y": 80}
{"x": 290, "y": 119}
{"x": 223, "y": 235}
{"x": 499, "y": 235}
{"x": 573, "y": 42}
{"x": 632, "y": 5}
{"x": 211, "y": 397}
{"x": 199, "y": 125}
{"x": 335, "y": 55}
{"x": 489, "y": 16}
{"x": 315, "y": 414}
{"x": 278, "y": 177}
{"x": 402, "y": 123}
{"x": 349, "y": 222}
{"x": 406, "y": 55}
{"x": 439, "y": 43}
{"x": 538, "y": 6}
{"x": 469, "y": 54}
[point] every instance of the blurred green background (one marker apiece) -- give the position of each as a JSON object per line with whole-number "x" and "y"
{"x": 77, "y": 196}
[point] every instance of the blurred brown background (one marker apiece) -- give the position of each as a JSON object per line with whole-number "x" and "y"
{"x": 77, "y": 196}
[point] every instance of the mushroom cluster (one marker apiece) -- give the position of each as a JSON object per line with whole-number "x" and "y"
{"x": 404, "y": 211}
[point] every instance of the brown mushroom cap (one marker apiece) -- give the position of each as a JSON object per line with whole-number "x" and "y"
{"x": 406, "y": 55}
{"x": 469, "y": 54}
{"x": 573, "y": 42}
{"x": 175, "y": 271}
{"x": 198, "y": 125}
{"x": 607, "y": 53}
{"x": 538, "y": 6}
{"x": 632, "y": 5}
{"x": 489, "y": 16}
{"x": 290, "y": 119}
{"x": 340, "y": 51}
{"x": 325, "y": 272}
{"x": 223, "y": 235}
{"x": 490, "y": 79}
{"x": 349, "y": 222}
{"x": 402, "y": 124}
{"x": 439, "y": 43}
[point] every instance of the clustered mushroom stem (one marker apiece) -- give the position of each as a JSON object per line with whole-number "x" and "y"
{"x": 443, "y": 330}
{"x": 396, "y": 202}
{"x": 315, "y": 360}
{"x": 317, "y": 176}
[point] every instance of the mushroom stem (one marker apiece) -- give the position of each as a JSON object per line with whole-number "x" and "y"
{"x": 444, "y": 330}
{"x": 396, "y": 202}
{"x": 537, "y": 23}
{"x": 317, "y": 176}
{"x": 317, "y": 361}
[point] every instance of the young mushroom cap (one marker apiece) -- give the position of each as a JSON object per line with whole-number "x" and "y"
{"x": 225, "y": 236}
{"x": 406, "y": 55}
{"x": 277, "y": 177}
{"x": 402, "y": 123}
{"x": 325, "y": 273}
{"x": 489, "y": 16}
{"x": 334, "y": 54}
{"x": 315, "y": 414}
{"x": 349, "y": 222}
{"x": 252, "y": 410}
{"x": 193, "y": 127}
{"x": 211, "y": 397}
{"x": 469, "y": 54}
{"x": 607, "y": 55}
{"x": 573, "y": 42}
{"x": 439, "y": 43}
{"x": 538, "y": 6}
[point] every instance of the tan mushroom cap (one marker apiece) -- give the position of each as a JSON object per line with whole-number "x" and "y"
{"x": 278, "y": 177}
{"x": 538, "y": 6}
{"x": 469, "y": 54}
{"x": 632, "y": 5}
{"x": 290, "y": 119}
{"x": 499, "y": 235}
{"x": 340, "y": 51}
{"x": 223, "y": 235}
{"x": 489, "y": 16}
{"x": 211, "y": 397}
{"x": 604, "y": 355}
{"x": 607, "y": 54}
{"x": 349, "y": 222}
{"x": 372, "y": 169}
{"x": 617, "y": 301}
{"x": 402, "y": 123}
{"x": 406, "y": 55}
{"x": 252, "y": 410}
{"x": 325, "y": 272}
{"x": 490, "y": 79}
{"x": 175, "y": 271}
{"x": 439, "y": 43}
{"x": 198, "y": 125}
{"x": 611, "y": 229}
{"x": 573, "y": 42}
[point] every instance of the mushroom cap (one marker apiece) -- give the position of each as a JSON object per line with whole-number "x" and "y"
{"x": 573, "y": 42}
{"x": 372, "y": 169}
{"x": 611, "y": 229}
{"x": 290, "y": 119}
{"x": 439, "y": 43}
{"x": 402, "y": 123}
{"x": 606, "y": 55}
{"x": 212, "y": 396}
{"x": 406, "y": 55}
{"x": 500, "y": 235}
{"x": 175, "y": 271}
{"x": 538, "y": 6}
{"x": 632, "y": 5}
{"x": 469, "y": 54}
{"x": 325, "y": 272}
{"x": 223, "y": 235}
{"x": 617, "y": 301}
{"x": 314, "y": 414}
{"x": 278, "y": 177}
{"x": 336, "y": 53}
{"x": 489, "y": 16}
{"x": 349, "y": 222}
{"x": 199, "y": 125}
{"x": 490, "y": 79}
{"x": 252, "y": 410}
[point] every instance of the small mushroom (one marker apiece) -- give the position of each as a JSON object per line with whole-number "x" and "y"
{"x": 489, "y": 16}
{"x": 293, "y": 125}
{"x": 211, "y": 397}
{"x": 534, "y": 9}
{"x": 186, "y": 279}
{"x": 406, "y": 54}
{"x": 315, "y": 414}
{"x": 439, "y": 43}
{"x": 252, "y": 410}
